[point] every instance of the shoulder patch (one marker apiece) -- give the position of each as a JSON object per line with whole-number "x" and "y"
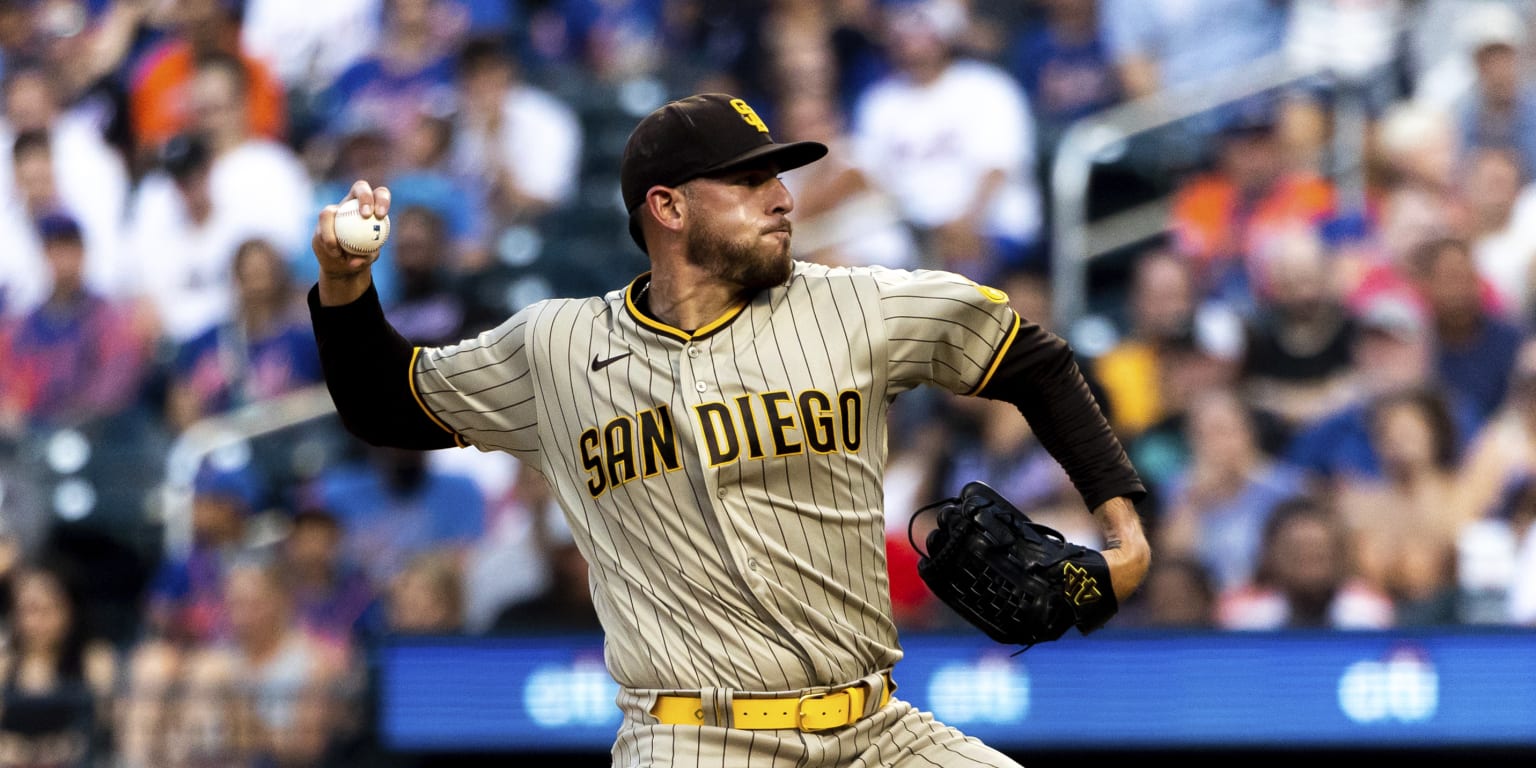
{"x": 993, "y": 295}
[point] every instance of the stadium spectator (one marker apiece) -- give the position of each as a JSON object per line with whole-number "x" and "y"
{"x": 410, "y": 69}
{"x": 78, "y": 357}
{"x": 1404, "y": 525}
{"x": 246, "y": 165}
{"x": 1522, "y": 523}
{"x": 611, "y": 39}
{"x": 1441, "y": 38}
{"x": 426, "y": 176}
{"x": 23, "y": 272}
{"x": 333, "y": 599}
{"x": 269, "y": 695}
{"x": 952, "y": 140}
{"x": 521, "y": 144}
{"x": 427, "y": 596}
{"x": 1204, "y": 358}
{"x": 56, "y": 681}
{"x": 565, "y": 605}
{"x": 1178, "y": 594}
{"x": 393, "y": 506}
{"x": 1475, "y": 348}
{"x": 1500, "y": 109}
{"x": 841, "y": 216}
{"x": 161, "y": 78}
{"x": 1297, "y": 359}
{"x": 1393, "y": 351}
{"x": 66, "y": 40}
{"x": 1226, "y": 218}
{"x": 184, "y": 240}
{"x": 88, "y": 176}
{"x": 264, "y": 351}
{"x": 1503, "y": 231}
{"x": 1216, "y": 508}
{"x": 1304, "y": 577}
{"x": 1352, "y": 44}
{"x": 298, "y": 40}
{"x": 1158, "y": 44}
{"x": 1502, "y": 453}
{"x": 430, "y": 309}
{"x": 15, "y": 33}
{"x": 1407, "y": 215}
{"x": 1064, "y": 64}
{"x": 185, "y": 605}
{"x": 1166, "y": 44}
{"x": 1160, "y": 309}
{"x": 1414, "y": 198}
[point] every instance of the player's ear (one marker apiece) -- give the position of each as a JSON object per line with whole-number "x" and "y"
{"x": 668, "y": 206}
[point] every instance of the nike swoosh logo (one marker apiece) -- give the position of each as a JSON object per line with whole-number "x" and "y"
{"x": 598, "y": 365}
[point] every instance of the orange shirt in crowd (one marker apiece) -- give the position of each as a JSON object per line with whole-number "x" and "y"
{"x": 1212, "y": 227}
{"x": 159, "y": 100}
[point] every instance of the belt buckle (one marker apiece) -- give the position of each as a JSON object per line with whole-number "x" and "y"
{"x": 824, "y": 693}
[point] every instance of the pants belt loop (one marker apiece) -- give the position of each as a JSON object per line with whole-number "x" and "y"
{"x": 873, "y": 686}
{"x": 716, "y": 704}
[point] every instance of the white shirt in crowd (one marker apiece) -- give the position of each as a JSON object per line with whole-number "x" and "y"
{"x": 539, "y": 140}
{"x": 931, "y": 145}
{"x": 93, "y": 186}
{"x": 1504, "y": 258}
{"x": 259, "y": 190}
{"x": 309, "y": 44}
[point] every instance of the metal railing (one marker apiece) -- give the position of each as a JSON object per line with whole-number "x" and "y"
{"x": 203, "y": 438}
{"x": 1087, "y": 140}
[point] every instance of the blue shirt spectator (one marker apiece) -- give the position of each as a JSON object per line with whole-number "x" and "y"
{"x": 227, "y": 370}
{"x": 390, "y": 94}
{"x": 1341, "y": 444}
{"x": 1475, "y": 348}
{"x": 76, "y": 357}
{"x": 1185, "y": 41}
{"x": 1065, "y": 65}
{"x": 265, "y": 351}
{"x": 1479, "y": 369}
{"x": 393, "y": 506}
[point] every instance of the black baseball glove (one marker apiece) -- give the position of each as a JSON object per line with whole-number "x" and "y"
{"x": 1019, "y": 581}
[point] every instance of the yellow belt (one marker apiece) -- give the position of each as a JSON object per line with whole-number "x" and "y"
{"x": 817, "y": 711}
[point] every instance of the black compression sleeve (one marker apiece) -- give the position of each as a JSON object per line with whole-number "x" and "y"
{"x": 1039, "y": 375}
{"x": 367, "y": 367}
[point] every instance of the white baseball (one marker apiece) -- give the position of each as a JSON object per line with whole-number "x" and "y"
{"x": 357, "y": 235}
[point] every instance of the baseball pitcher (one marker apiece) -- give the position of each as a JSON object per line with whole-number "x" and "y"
{"x": 716, "y": 433}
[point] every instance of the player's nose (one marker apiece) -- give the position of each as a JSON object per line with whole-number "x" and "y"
{"x": 780, "y": 201}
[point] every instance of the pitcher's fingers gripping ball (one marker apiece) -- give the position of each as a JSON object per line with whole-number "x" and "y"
{"x": 357, "y": 234}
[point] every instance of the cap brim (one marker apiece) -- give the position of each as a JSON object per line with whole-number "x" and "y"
{"x": 787, "y": 156}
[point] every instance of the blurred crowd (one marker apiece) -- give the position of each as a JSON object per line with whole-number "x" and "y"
{"x": 1323, "y": 365}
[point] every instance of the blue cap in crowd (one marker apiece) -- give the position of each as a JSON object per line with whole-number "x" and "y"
{"x": 239, "y": 485}
{"x": 58, "y": 225}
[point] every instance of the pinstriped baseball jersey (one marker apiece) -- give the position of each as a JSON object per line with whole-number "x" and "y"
{"x": 725, "y": 485}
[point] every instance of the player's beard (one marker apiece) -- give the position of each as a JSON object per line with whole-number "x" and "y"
{"x": 754, "y": 262}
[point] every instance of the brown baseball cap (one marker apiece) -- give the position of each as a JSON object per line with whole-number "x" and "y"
{"x": 701, "y": 135}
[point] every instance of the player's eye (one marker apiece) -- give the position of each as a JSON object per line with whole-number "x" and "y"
{"x": 755, "y": 178}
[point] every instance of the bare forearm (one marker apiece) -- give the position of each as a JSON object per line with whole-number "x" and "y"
{"x": 1126, "y": 550}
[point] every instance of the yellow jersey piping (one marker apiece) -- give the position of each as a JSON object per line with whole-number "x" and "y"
{"x": 410, "y": 376}
{"x": 997, "y": 358}
{"x": 677, "y": 333}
